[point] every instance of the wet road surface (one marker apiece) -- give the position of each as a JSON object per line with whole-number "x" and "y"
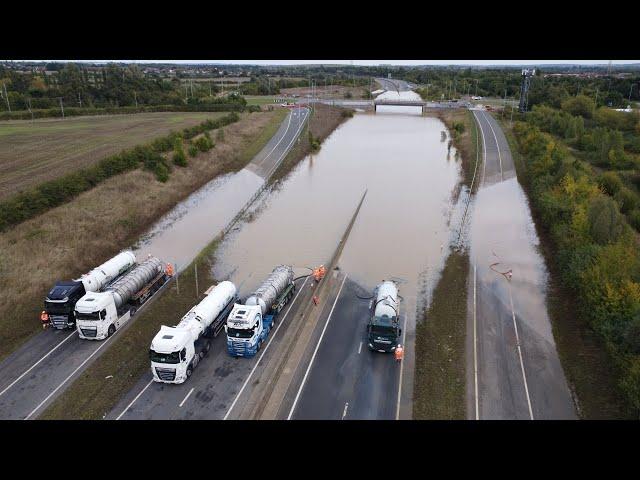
{"x": 35, "y": 374}
{"x": 514, "y": 371}
{"x": 347, "y": 381}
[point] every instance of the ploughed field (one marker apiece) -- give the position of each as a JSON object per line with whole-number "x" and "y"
{"x": 31, "y": 153}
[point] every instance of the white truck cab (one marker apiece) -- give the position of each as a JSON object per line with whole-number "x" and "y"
{"x": 245, "y": 329}
{"x": 172, "y": 351}
{"x": 97, "y": 316}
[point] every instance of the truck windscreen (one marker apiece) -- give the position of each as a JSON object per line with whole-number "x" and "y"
{"x": 240, "y": 332}
{"x": 173, "y": 357}
{"x": 382, "y": 330}
{"x": 56, "y": 308}
{"x": 88, "y": 316}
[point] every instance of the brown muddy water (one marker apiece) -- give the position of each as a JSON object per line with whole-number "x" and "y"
{"x": 402, "y": 231}
{"x": 181, "y": 234}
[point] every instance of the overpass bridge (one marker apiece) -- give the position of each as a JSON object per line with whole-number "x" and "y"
{"x": 399, "y": 102}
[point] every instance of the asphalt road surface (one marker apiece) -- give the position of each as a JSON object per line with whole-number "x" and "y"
{"x": 35, "y": 374}
{"x": 266, "y": 161}
{"x": 514, "y": 371}
{"x": 392, "y": 84}
{"x": 348, "y": 381}
{"x": 216, "y": 383}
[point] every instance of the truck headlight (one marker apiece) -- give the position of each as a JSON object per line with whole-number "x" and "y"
{"x": 370, "y": 345}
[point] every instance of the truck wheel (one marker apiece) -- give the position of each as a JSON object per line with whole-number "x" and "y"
{"x": 189, "y": 371}
{"x": 259, "y": 346}
{"x": 207, "y": 347}
{"x": 112, "y": 330}
{"x": 133, "y": 311}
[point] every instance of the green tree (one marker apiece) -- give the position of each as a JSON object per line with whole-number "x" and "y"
{"x": 605, "y": 221}
{"x": 579, "y": 105}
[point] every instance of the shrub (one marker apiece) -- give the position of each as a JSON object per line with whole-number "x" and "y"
{"x": 579, "y": 105}
{"x": 610, "y": 182}
{"x": 605, "y": 221}
{"x": 193, "y": 150}
{"x": 220, "y": 135}
{"x": 627, "y": 200}
{"x": 634, "y": 219}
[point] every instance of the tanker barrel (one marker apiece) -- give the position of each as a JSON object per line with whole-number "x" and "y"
{"x": 267, "y": 293}
{"x": 126, "y": 287}
{"x": 100, "y": 276}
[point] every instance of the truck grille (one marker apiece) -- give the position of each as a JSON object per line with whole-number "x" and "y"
{"x": 167, "y": 374}
{"x": 241, "y": 349}
{"x": 58, "y": 321}
{"x": 89, "y": 332}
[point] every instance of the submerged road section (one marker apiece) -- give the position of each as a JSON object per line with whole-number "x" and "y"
{"x": 35, "y": 374}
{"x": 514, "y": 371}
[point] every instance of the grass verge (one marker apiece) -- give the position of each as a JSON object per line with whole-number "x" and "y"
{"x": 135, "y": 201}
{"x": 439, "y": 380}
{"x": 589, "y": 368}
{"x": 464, "y": 139}
{"x": 261, "y": 140}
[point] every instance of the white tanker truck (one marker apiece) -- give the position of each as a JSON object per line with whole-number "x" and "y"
{"x": 61, "y": 299}
{"x": 100, "y": 314}
{"x": 249, "y": 325}
{"x": 383, "y": 330}
{"x": 176, "y": 351}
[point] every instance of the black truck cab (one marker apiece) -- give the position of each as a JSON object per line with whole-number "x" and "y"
{"x": 60, "y": 303}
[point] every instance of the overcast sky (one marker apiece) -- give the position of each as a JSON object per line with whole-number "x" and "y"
{"x": 365, "y": 62}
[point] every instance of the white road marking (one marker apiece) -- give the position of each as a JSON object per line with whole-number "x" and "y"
{"x": 295, "y": 136}
{"x": 524, "y": 376}
{"x": 360, "y": 348}
{"x": 497, "y": 146}
{"x": 134, "y": 400}
{"x": 306, "y": 373}
{"x": 280, "y": 323}
{"x": 278, "y": 142}
{"x": 185, "y": 398}
{"x": 37, "y": 363}
{"x": 475, "y": 343}
{"x": 484, "y": 152}
{"x": 344, "y": 412}
{"x": 105, "y": 342}
{"x": 404, "y": 337}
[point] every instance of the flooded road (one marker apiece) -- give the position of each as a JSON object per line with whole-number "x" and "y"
{"x": 402, "y": 229}
{"x": 519, "y": 375}
{"x": 190, "y": 226}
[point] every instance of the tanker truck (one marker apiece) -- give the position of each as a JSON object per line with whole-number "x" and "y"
{"x": 383, "y": 329}
{"x": 100, "y": 314}
{"x": 61, "y": 299}
{"x": 249, "y": 324}
{"x": 176, "y": 351}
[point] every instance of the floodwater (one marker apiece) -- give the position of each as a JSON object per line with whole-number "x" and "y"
{"x": 402, "y": 230}
{"x": 189, "y": 227}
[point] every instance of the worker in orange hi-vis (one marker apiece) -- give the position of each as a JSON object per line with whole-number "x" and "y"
{"x": 44, "y": 318}
{"x": 169, "y": 270}
{"x": 399, "y": 353}
{"x": 319, "y": 273}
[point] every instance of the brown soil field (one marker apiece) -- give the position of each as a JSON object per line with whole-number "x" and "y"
{"x": 81, "y": 234}
{"x": 31, "y": 153}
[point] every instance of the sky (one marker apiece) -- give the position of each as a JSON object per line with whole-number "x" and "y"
{"x": 364, "y": 62}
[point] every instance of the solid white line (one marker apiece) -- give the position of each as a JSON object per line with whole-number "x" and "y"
{"x": 304, "y": 379}
{"x": 360, "y": 348}
{"x": 105, "y": 342}
{"x": 185, "y": 398}
{"x": 475, "y": 342}
{"x": 524, "y": 376}
{"x": 484, "y": 152}
{"x": 497, "y": 146}
{"x": 280, "y": 323}
{"x": 37, "y": 363}
{"x": 286, "y": 150}
{"x": 344, "y": 412}
{"x": 134, "y": 400}
{"x": 404, "y": 337}
{"x": 278, "y": 143}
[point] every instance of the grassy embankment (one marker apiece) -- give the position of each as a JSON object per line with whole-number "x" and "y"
{"x": 93, "y": 395}
{"x": 440, "y": 374}
{"x": 86, "y": 231}
{"x": 588, "y": 366}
